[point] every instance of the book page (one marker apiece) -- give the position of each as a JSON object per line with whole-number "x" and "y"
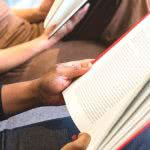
{"x": 135, "y": 107}
{"x": 53, "y": 10}
{"x": 97, "y": 99}
{"x": 138, "y": 120}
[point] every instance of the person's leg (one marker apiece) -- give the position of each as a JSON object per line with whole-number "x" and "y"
{"x": 21, "y": 32}
{"x": 48, "y": 135}
{"x": 44, "y": 62}
{"x": 68, "y": 50}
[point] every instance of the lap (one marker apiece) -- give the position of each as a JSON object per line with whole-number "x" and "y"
{"x": 52, "y": 134}
{"x": 44, "y": 62}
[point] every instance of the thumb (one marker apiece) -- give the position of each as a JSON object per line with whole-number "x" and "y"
{"x": 74, "y": 69}
{"x": 80, "y": 144}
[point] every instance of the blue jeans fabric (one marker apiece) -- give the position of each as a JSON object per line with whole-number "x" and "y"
{"x": 48, "y": 135}
{"x": 141, "y": 142}
{"x": 53, "y": 135}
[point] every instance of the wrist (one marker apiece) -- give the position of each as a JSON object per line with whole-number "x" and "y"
{"x": 39, "y": 44}
{"x": 40, "y": 93}
{"x": 23, "y": 97}
{"x": 43, "y": 93}
{"x": 36, "y": 94}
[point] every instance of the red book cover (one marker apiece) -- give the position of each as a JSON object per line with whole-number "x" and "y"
{"x": 134, "y": 136}
{"x": 115, "y": 43}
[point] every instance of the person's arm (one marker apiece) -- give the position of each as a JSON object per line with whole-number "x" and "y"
{"x": 14, "y": 56}
{"x": 44, "y": 91}
{"x": 34, "y": 15}
{"x": 18, "y": 97}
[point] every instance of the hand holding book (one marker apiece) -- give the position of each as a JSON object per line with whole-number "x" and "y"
{"x": 62, "y": 10}
{"x": 65, "y": 29}
{"x": 49, "y": 87}
{"x": 70, "y": 24}
{"x": 112, "y": 101}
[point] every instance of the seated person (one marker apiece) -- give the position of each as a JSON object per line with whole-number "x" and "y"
{"x": 25, "y": 51}
{"x": 21, "y": 26}
{"x": 44, "y": 91}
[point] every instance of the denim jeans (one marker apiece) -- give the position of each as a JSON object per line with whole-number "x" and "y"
{"x": 54, "y": 134}
{"x": 48, "y": 135}
{"x": 141, "y": 142}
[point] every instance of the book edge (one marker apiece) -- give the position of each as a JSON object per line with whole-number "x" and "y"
{"x": 119, "y": 39}
{"x": 134, "y": 136}
{"x": 46, "y": 22}
{"x": 67, "y": 18}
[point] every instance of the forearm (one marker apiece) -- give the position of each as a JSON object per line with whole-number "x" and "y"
{"x": 15, "y": 56}
{"x": 31, "y": 15}
{"x": 19, "y": 97}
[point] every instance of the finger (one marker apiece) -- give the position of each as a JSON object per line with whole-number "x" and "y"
{"x": 82, "y": 62}
{"x": 83, "y": 138}
{"x": 74, "y": 137}
{"x": 48, "y": 31}
{"x": 61, "y": 33}
{"x": 69, "y": 26}
{"x": 85, "y": 62}
{"x": 80, "y": 15}
{"x": 76, "y": 18}
{"x": 74, "y": 69}
{"x": 80, "y": 144}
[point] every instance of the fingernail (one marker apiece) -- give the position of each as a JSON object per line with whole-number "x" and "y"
{"x": 74, "y": 137}
{"x": 84, "y": 10}
{"x": 90, "y": 65}
{"x": 87, "y": 66}
{"x": 86, "y": 7}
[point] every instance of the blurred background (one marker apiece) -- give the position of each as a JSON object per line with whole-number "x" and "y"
{"x": 23, "y": 3}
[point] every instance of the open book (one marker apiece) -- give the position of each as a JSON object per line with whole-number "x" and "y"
{"x": 112, "y": 101}
{"x": 61, "y": 12}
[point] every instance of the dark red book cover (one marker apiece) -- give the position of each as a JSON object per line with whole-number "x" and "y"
{"x": 140, "y": 139}
{"x": 115, "y": 43}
